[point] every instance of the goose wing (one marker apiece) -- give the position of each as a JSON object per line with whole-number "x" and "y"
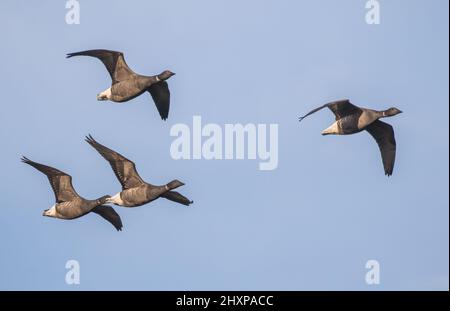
{"x": 61, "y": 182}
{"x": 113, "y": 61}
{"x": 341, "y": 108}
{"x": 161, "y": 96}
{"x": 385, "y": 138}
{"x": 177, "y": 197}
{"x": 124, "y": 169}
{"x": 108, "y": 213}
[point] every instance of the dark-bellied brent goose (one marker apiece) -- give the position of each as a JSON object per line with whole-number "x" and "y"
{"x": 351, "y": 119}
{"x": 126, "y": 84}
{"x": 70, "y": 205}
{"x": 135, "y": 191}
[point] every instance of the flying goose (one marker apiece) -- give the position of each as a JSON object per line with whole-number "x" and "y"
{"x": 351, "y": 119}
{"x": 69, "y": 205}
{"x": 126, "y": 84}
{"x": 135, "y": 191}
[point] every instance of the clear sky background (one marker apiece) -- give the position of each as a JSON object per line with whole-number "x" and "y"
{"x": 312, "y": 224}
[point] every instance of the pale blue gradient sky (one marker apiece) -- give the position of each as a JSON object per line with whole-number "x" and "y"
{"x": 311, "y": 224}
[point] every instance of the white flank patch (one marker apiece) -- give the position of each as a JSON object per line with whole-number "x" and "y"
{"x": 106, "y": 94}
{"x": 333, "y": 129}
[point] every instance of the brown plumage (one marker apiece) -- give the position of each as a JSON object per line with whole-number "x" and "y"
{"x": 351, "y": 119}
{"x": 126, "y": 84}
{"x": 135, "y": 191}
{"x": 69, "y": 204}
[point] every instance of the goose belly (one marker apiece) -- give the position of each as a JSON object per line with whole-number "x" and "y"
{"x": 366, "y": 118}
{"x": 349, "y": 125}
{"x": 125, "y": 91}
{"x": 135, "y": 197}
{"x": 66, "y": 210}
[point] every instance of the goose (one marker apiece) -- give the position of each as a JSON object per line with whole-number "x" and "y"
{"x": 135, "y": 192}
{"x": 126, "y": 84}
{"x": 69, "y": 205}
{"x": 351, "y": 119}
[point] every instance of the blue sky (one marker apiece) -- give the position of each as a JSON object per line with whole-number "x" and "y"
{"x": 311, "y": 224}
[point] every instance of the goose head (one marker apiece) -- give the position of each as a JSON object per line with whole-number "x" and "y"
{"x": 391, "y": 112}
{"x": 174, "y": 184}
{"x": 165, "y": 75}
{"x": 104, "y": 199}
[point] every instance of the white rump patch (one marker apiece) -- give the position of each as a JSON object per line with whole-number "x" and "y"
{"x": 51, "y": 212}
{"x": 333, "y": 129}
{"x": 105, "y": 95}
{"x": 116, "y": 200}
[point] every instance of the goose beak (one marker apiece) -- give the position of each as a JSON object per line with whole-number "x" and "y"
{"x": 43, "y": 213}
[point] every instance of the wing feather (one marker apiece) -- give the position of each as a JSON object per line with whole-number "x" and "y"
{"x": 385, "y": 138}
{"x": 161, "y": 96}
{"x": 124, "y": 169}
{"x": 60, "y": 182}
{"x": 114, "y": 62}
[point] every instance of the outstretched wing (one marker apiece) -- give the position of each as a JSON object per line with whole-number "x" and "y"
{"x": 124, "y": 169}
{"x": 161, "y": 96}
{"x": 61, "y": 182}
{"x": 340, "y": 109}
{"x": 108, "y": 213}
{"x": 113, "y": 61}
{"x": 385, "y": 138}
{"x": 177, "y": 197}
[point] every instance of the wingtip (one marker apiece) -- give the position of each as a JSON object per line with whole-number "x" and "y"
{"x": 89, "y": 139}
{"x": 24, "y": 159}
